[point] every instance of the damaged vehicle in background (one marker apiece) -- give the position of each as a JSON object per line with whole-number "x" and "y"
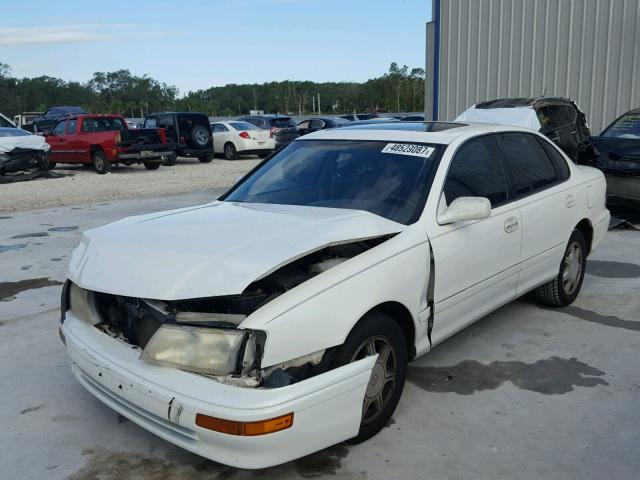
{"x": 618, "y": 149}
{"x": 558, "y": 118}
{"x": 279, "y": 319}
{"x": 21, "y": 151}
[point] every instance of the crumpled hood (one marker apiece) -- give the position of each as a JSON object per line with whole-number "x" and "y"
{"x": 33, "y": 142}
{"x": 210, "y": 250}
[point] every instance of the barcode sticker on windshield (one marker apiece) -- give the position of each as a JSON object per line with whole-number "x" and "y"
{"x": 408, "y": 149}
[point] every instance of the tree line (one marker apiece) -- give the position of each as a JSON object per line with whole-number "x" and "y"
{"x": 399, "y": 89}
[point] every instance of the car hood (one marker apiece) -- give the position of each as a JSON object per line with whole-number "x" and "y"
{"x": 210, "y": 250}
{"x": 30, "y": 142}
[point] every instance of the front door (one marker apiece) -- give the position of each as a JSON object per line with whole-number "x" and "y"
{"x": 476, "y": 262}
{"x": 57, "y": 140}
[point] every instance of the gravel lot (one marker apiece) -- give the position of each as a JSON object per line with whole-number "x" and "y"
{"x": 85, "y": 186}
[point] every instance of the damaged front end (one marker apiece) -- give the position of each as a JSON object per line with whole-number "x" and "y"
{"x": 204, "y": 335}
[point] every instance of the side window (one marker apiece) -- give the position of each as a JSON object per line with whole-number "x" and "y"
{"x": 476, "y": 171}
{"x": 559, "y": 163}
{"x": 530, "y": 166}
{"x": 71, "y": 126}
{"x": 315, "y": 123}
{"x": 59, "y": 128}
{"x": 304, "y": 124}
{"x": 150, "y": 122}
{"x": 218, "y": 127}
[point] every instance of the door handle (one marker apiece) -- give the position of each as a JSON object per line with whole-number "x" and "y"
{"x": 511, "y": 224}
{"x": 570, "y": 201}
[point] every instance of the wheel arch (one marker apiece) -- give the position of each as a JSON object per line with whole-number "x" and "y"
{"x": 584, "y": 226}
{"x": 402, "y": 316}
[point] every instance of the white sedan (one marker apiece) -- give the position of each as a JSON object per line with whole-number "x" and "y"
{"x": 279, "y": 319}
{"x": 239, "y": 137}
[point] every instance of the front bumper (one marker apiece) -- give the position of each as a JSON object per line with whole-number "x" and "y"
{"x": 327, "y": 408}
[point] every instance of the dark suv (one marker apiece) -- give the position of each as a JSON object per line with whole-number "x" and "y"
{"x": 189, "y": 131}
{"x": 45, "y": 122}
{"x": 283, "y": 128}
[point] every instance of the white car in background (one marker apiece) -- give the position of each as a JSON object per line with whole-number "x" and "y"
{"x": 237, "y": 137}
{"x": 279, "y": 319}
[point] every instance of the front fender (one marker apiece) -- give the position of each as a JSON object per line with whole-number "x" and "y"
{"x": 321, "y": 312}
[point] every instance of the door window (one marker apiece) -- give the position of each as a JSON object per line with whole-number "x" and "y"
{"x": 59, "y": 128}
{"x": 559, "y": 163}
{"x": 219, "y": 128}
{"x": 476, "y": 171}
{"x": 304, "y": 125}
{"x": 317, "y": 124}
{"x": 531, "y": 168}
{"x": 71, "y": 126}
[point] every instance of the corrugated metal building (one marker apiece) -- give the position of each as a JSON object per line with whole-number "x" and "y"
{"x": 588, "y": 50}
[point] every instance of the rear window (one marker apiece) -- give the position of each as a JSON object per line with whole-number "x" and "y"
{"x": 627, "y": 126}
{"x": 283, "y": 122}
{"x": 243, "y": 126}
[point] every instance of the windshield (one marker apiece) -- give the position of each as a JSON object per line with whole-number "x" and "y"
{"x": 627, "y": 126}
{"x": 388, "y": 179}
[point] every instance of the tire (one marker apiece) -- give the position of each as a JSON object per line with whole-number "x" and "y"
{"x": 171, "y": 161}
{"x": 100, "y": 162}
{"x": 43, "y": 162}
{"x": 377, "y": 330}
{"x": 199, "y": 136}
{"x": 52, "y": 165}
{"x": 230, "y": 152}
{"x": 564, "y": 289}
{"x": 151, "y": 165}
{"x": 206, "y": 158}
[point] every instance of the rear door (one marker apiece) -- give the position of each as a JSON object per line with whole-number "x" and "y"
{"x": 476, "y": 262}
{"x": 547, "y": 202}
{"x": 220, "y": 136}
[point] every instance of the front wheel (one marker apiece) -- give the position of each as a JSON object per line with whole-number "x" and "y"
{"x": 564, "y": 289}
{"x": 101, "y": 163}
{"x": 151, "y": 165}
{"x": 52, "y": 165}
{"x": 377, "y": 333}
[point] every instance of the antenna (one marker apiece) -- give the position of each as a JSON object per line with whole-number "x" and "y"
{"x": 544, "y": 94}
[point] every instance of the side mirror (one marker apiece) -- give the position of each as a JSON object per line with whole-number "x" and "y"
{"x": 465, "y": 208}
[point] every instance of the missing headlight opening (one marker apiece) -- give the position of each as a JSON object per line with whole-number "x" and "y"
{"x": 209, "y": 325}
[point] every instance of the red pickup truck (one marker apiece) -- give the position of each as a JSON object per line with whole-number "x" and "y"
{"x": 105, "y": 140}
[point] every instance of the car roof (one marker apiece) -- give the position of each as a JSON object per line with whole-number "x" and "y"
{"x": 426, "y": 132}
{"x": 520, "y": 102}
{"x": 176, "y": 113}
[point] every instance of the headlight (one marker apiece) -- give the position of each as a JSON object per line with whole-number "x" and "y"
{"x": 203, "y": 350}
{"x": 81, "y": 302}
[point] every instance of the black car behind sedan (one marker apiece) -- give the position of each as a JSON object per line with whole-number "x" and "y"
{"x": 45, "y": 122}
{"x": 618, "y": 149}
{"x": 320, "y": 123}
{"x": 283, "y": 129}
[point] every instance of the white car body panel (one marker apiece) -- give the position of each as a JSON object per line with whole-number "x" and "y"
{"x": 222, "y": 247}
{"x": 257, "y": 239}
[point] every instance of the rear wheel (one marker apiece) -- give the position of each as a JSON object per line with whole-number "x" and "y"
{"x": 563, "y": 290}
{"x": 171, "y": 160}
{"x": 100, "y": 162}
{"x": 230, "y": 152}
{"x": 52, "y": 165}
{"x": 377, "y": 333}
{"x": 151, "y": 165}
{"x": 206, "y": 158}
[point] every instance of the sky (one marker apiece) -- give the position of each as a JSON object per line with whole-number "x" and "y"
{"x": 196, "y": 44}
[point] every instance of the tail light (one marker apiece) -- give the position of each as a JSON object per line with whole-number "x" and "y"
{"x": 244, "y": 135}
{"x": 162, "y": 134}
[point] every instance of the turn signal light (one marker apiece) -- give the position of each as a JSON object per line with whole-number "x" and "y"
{"x": 248, "y": 429}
